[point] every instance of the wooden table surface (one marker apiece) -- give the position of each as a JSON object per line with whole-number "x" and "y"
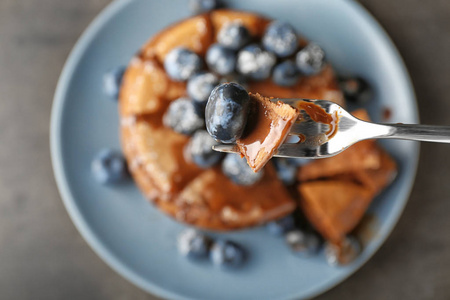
{"x": 42, "y": 256}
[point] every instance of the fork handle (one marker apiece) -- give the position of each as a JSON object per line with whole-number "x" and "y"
{"x": 424, "y": 133}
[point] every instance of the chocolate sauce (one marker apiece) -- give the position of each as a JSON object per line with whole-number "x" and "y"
{"x": 302, "y": 138}
{"x": 319, "y": 115}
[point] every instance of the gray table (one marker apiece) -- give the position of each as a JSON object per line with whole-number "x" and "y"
{"x": 42, "y": 256}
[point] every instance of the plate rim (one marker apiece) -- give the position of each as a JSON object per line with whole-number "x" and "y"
{"x": 69, "y": 200}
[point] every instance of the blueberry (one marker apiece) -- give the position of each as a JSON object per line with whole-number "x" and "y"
{"x": 255, "y": 62}
{"x": 182, "y": 117}
{"x": 236, "y": 168}
{"x": 182, "y": 63}
{"x": 201, "y": 6}
{"x": 193, "y": 244}
{"x": 112, "y": 81}
{"x": 280, "y": 38}
{"x": 342, "y": 253}
{"x": 220, "y": 59}
{"x": 281, "y": 226}
{"x": 227, "y": 254}
{"x": 356, "y": 89}
{"x": 199, "y": 150}
{"x": 199, "y": 87}
{"x": 109, "y": 166}
{"x": 285, "y": 73}
{"x": 310, "y": 60}
{"x": 286, "y": 170}
{"x": 303, "y": 243}
{"x": 233, "y": 36}
{"x": 226, "y": 112}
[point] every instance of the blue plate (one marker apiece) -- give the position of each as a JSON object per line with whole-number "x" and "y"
{"x": 137, "y": 240}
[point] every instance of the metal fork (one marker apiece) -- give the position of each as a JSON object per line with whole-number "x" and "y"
{"x": 320, "y": 140}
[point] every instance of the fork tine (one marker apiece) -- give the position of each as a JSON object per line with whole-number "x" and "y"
{"x": 296, "y": 150}
{"x": 285, "y": 150}
{"x": 226, "y": 148}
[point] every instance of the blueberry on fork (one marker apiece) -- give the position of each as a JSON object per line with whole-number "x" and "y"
{"x": 226, "y": 112}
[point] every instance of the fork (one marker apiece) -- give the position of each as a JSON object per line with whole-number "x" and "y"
{"x": 319, "y": 139}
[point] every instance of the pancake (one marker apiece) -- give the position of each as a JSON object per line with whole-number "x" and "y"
{"x": 206, "y": 198}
